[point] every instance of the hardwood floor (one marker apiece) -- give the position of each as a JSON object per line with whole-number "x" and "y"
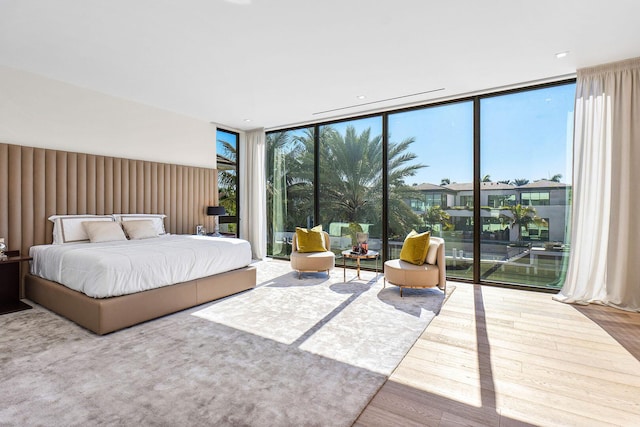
{"x": 504, "y": 357}
{"x": 621, "y": 325}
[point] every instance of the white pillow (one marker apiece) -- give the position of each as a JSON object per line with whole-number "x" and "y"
{"x": 432, "y": 253}
{"x": 140, "y": 229}
{"x": 158, "y": 220}
{"x": 69, "y": 229}
{"x": 101, "y": 231}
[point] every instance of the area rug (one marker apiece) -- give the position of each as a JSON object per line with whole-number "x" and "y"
{"x": 310, "y": 351}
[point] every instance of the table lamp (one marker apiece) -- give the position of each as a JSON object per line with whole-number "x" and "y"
{"x": 216, "y": 211}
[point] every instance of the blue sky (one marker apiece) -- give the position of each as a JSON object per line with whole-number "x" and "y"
{"x": 523, "y": 135}
{"x": 224, "y": 136}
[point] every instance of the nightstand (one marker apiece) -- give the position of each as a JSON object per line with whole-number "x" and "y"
{"x": 10, "y": 283}
{"x": 222, "y": 234}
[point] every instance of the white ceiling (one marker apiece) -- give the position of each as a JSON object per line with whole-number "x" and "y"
{"x": 284, "y": 62}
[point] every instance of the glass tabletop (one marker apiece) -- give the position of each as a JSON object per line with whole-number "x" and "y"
{"x": 369, "y": 254}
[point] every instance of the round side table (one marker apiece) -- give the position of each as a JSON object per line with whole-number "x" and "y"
{"x": 348, "y": 254}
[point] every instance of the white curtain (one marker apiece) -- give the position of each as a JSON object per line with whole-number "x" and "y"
{"x": 253, "y": 204}
{"x": 279, "y": 199}
{"x": 604, "y": 265}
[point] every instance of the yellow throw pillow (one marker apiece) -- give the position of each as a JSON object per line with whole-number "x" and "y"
{"x": 310, "y": 240}
{"x": 415, "y": 247}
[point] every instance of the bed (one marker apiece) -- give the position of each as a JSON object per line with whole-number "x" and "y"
{"x": 107, "y": 286}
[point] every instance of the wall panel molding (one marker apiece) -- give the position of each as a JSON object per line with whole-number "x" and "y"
{"x": 36, "y": 183}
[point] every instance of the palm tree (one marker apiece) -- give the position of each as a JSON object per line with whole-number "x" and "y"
{"x": 436, "y": 215}
{"x": 522, "y": 216}
{"x": 486, "y": 178}
{"x": 227, "y": 177}
{"x": 520, "y": 181}
{"x": 351, "y": 179}
{"x": 350, "y": 183}
{"x": 556, "y": 177}
{"x": 445, "y": 181}
{"x": 289, "y": 184}
{"x": 350, "y": 170}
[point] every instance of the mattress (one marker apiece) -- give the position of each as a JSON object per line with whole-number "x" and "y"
{"x": 109, "y": 269}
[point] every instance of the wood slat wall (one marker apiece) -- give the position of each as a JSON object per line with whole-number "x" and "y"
{"x": 36, "y": 183}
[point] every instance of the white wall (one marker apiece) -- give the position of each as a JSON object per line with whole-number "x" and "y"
{"x": 40, "y": 112}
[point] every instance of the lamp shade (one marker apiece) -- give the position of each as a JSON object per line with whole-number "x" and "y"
{"x": 216, "y": 210}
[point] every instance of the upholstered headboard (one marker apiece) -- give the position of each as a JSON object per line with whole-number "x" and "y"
{"x": 36, "y": 183}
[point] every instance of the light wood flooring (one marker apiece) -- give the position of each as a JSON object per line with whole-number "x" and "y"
{"x": 505, "y": 357}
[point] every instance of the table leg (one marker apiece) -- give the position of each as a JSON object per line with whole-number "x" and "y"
{"x": 344, "y": 268}
{"x": 358, "y": 264}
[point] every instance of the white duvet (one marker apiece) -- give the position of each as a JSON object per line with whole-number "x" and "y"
{"x": 102, "y": 270}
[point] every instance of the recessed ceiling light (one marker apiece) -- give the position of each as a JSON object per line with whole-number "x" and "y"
{"x": 361, "y": 97}
{"x": 247, "y": 120}
{"x": 562, "y": 54}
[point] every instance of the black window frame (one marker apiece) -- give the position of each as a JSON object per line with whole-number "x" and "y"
{"x": 475, "y": 201}
{"x": 232, "y": 219}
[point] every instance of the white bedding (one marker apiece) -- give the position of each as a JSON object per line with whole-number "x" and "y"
{"x": 102, "y": 270}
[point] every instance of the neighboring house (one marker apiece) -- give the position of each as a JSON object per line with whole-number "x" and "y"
{"x": 549, "y": 198}
{"x": 434, "y": 195}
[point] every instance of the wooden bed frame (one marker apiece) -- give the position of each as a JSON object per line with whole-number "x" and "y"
{"x": 104, "y": 315}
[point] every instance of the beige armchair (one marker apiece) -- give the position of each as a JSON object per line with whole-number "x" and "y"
{"x": 312, "y": 261}
{"x": 407, "y": 275}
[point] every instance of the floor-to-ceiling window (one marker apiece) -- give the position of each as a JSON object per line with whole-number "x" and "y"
{"x": 227, "y": 164}
{"x": 526, "y": 141}
{"x": 350, "y": 182}
{"x": 290, "y": 187}
{"x": 430, "y": 158}
{"x": 490, "y": 174}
